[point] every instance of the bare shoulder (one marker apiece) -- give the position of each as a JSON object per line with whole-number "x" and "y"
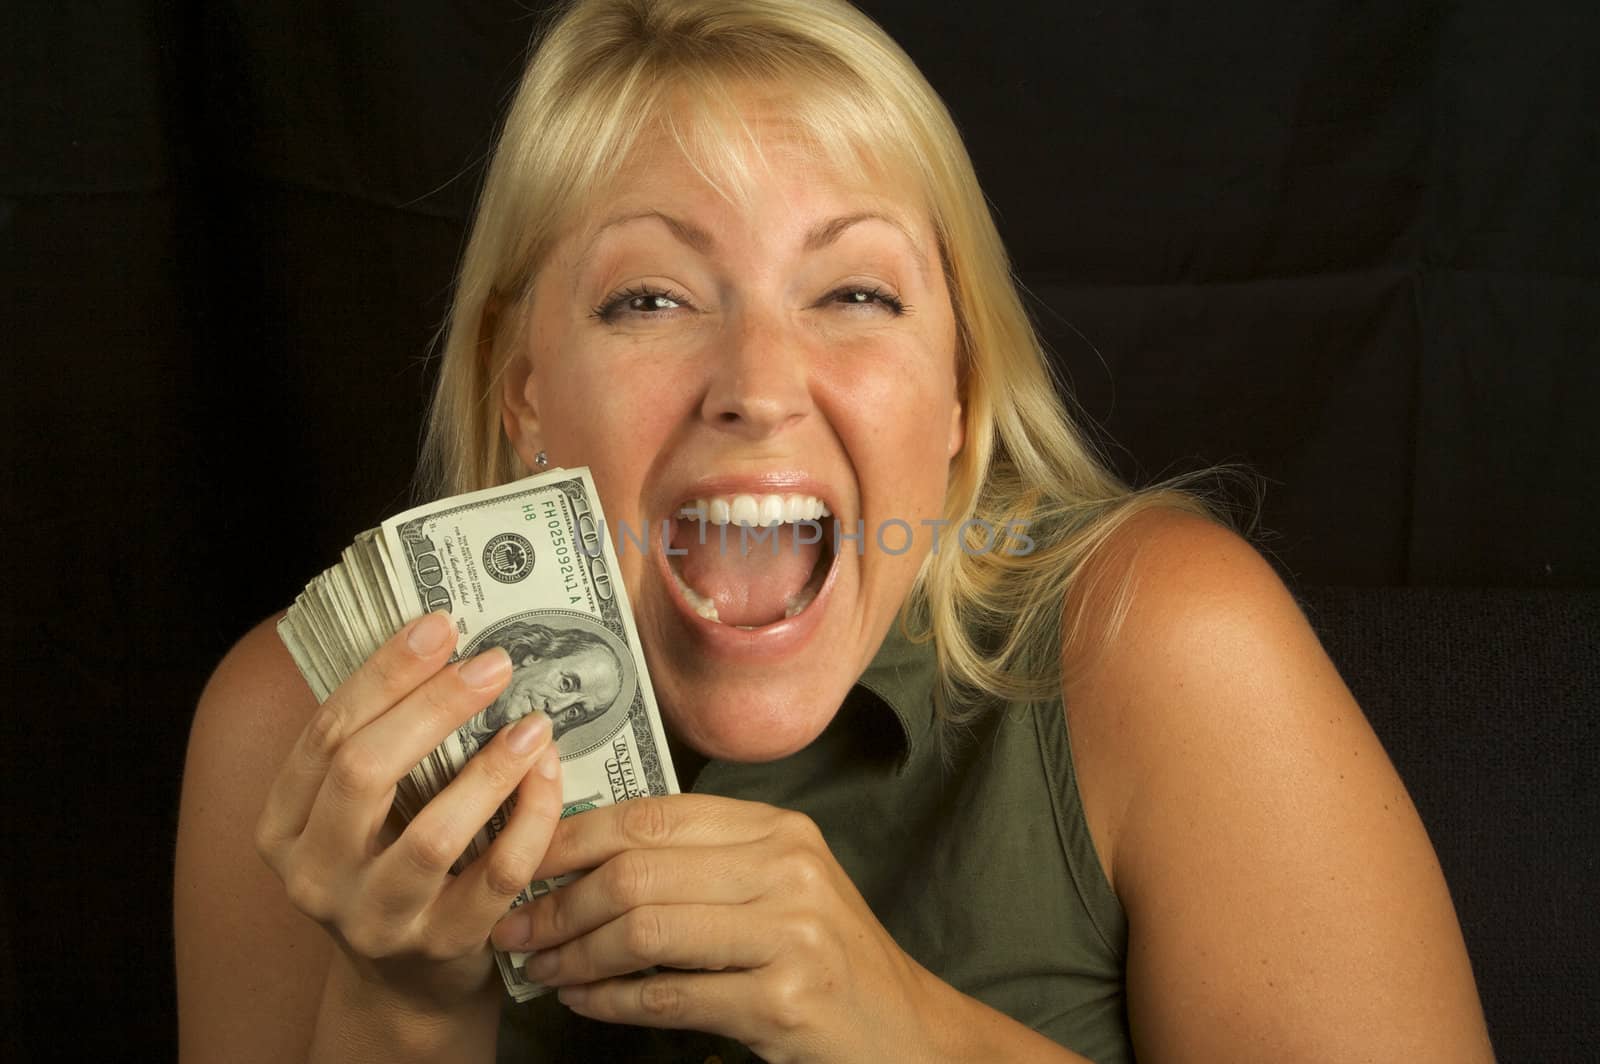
{"x": 250, "y": 968}
{"x": 1163, "y": 584}
{"x": 250, "y": 713}
{"x": 1283, "y": 899}
{"x": 256, "y": 692}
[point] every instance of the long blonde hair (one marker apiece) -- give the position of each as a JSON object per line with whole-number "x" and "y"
{"x": 604, "y": 73}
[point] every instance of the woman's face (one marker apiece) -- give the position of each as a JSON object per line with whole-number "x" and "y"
{"x": 690, "y": 350}
{"x": 570, "y": 690}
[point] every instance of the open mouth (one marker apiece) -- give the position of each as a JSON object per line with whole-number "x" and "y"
{"x": 749, "y": 561}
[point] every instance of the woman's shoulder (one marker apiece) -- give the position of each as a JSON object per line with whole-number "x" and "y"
{"x": 227, "y": 903}
{"x": 249, "y": 716}
{"x": 1185, "y": 605}
{"x": 256, "y": 691}
{"x": 1278, "y": 883}
{"x": 1157, "y": 574}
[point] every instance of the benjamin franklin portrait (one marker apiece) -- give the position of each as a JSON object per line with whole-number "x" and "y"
{"x": 570, "y": 674}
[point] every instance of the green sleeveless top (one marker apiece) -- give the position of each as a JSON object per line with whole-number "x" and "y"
{"x": 970, "y": 845}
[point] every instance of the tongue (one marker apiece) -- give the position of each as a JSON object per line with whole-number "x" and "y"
{"x": 751, "y": 580}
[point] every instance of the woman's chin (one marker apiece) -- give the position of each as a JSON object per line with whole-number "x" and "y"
{"x": 750, "y": 726}
{"x": 746, "y": 695}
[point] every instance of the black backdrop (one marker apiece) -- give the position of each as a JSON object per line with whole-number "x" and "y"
{"x": 1355, "y": 245}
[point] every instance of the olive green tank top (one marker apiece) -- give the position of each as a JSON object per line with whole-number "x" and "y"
{"x": 970, "y": 845}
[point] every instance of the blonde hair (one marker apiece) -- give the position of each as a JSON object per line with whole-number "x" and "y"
{"x": 606, "y": 72}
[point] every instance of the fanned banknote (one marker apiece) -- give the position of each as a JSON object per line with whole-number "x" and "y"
{"x": 525, "y": 566}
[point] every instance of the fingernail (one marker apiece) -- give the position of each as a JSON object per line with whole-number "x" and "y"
{"x": 428, "y": 633}
{"x": 550, "y": 764}
{"x": 541, "y": 966}
{"x": 487, "y": 668}
{"x": 528, "y": 733}
{"x": 513, "y": 931}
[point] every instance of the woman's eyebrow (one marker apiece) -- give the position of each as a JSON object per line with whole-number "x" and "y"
{"x": 818, "y": 237}
{"x": 827, "y": 232}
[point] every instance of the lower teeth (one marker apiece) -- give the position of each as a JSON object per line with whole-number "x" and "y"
{"x": 703, "y": 606}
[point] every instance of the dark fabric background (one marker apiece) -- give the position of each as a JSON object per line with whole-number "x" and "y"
{"x": 1356, "y": 245}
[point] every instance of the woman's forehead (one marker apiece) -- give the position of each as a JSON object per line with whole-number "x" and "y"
{"x": 794, "y": 194}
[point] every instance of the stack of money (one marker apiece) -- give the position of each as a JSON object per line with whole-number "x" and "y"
{"x": 525, "y": 566}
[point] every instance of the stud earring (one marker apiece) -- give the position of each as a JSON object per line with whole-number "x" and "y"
{"x": 541, "y": 459}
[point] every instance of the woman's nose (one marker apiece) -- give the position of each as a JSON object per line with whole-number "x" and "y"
{"x": 759, "y": 382}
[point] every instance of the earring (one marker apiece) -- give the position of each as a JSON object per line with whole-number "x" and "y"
{"x": 541, "y": 459}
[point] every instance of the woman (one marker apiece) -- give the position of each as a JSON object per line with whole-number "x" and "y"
{"x": 737, "y": 249}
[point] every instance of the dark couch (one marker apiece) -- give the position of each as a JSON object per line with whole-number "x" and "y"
{"x": 1488, "y": 702}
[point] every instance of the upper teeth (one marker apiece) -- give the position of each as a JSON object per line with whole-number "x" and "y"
{"x": 753, "y": 510}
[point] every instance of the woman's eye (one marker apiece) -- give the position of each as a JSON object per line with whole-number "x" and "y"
{"x": 643, "y": 302}
{"x": 867, "y": 297}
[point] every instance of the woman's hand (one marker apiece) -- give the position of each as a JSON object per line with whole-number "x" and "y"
{"x": 410, "y": 928}
{"x": 780, "y": 950}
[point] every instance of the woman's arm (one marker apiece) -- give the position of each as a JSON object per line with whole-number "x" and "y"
{"x": 257, "y": 979}
{"x": 1284, "y": 901}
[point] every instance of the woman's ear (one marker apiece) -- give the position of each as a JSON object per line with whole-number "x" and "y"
{"x": 958, "y": 428}
{"x": 519, "y": 410}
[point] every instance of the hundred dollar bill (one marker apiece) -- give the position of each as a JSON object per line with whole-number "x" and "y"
{"x": 525, "y": 566}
